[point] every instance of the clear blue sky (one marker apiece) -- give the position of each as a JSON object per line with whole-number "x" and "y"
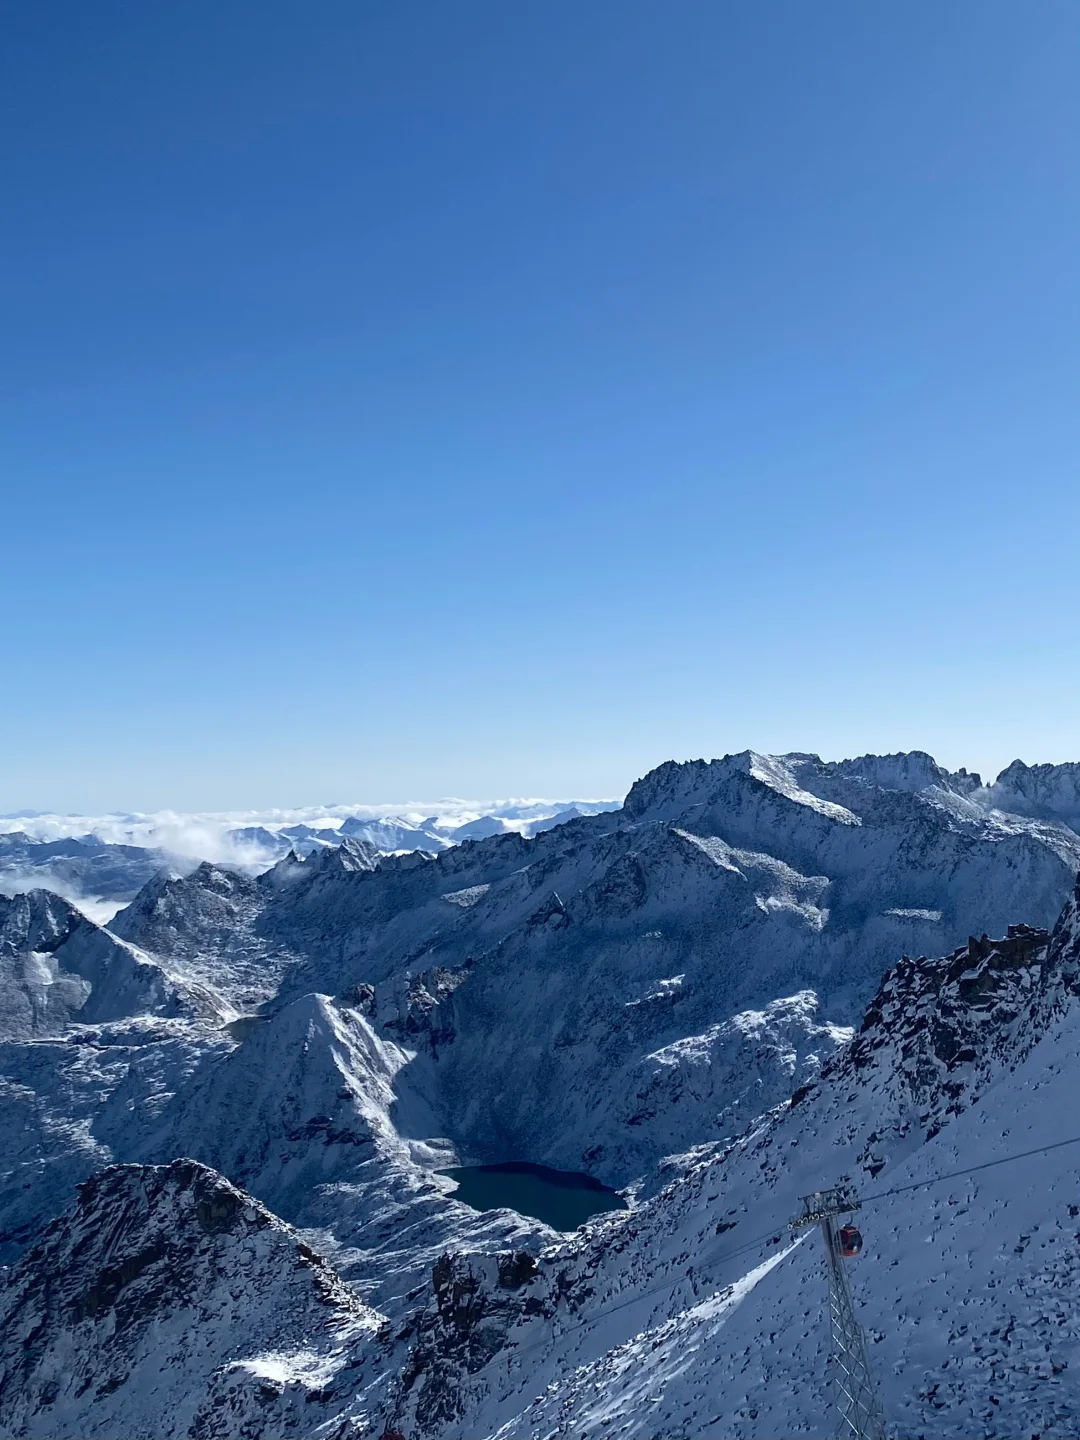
{"x": 414, "y": 398}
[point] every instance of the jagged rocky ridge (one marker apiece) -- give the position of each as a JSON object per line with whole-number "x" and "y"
{"x": 101, "y": 871}
{"x": 167, "y": 1302}
{"x": 626, "y": 986}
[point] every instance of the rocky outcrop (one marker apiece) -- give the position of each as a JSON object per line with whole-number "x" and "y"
{"x": 206, "y": 923}
{"x": 475, "y": 1301}
{"x": 1048, "y": 792}
{"x": 167, "y": 1302}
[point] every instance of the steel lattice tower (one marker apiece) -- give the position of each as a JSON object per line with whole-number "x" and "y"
{"x": 858, "y": 1411}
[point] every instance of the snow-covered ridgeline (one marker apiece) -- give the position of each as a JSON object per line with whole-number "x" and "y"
{"x": 222, "y": 835}
{"x": 659, "y": 975}
{"x": 97, "y": 858}
{"x": 100, "y": 862}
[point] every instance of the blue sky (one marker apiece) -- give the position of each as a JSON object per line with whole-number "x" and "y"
{"x": 408, "y": 399}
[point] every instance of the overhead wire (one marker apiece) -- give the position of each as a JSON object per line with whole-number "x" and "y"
{"x": 970, "y": 1170}
{"x": 645, "y": 1294}
{"x": 751, "y": 1244}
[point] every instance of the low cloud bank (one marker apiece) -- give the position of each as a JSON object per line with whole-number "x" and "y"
{"x": 249, "y": 840}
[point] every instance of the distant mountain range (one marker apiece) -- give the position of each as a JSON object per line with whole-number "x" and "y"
{"x": 100, "y": 863}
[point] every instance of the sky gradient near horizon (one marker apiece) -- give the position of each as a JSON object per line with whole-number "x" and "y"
{"x": 416, "y": 399}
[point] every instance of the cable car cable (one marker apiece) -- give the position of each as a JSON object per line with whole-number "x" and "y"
{"x": 644, "y": 1294}
{"x": 970, "y": 1170}
{"x": 767, "y": 1234}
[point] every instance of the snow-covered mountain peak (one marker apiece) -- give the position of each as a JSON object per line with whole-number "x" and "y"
{"x": 913, "y": 770}
{"x": 779, "y": 773}
{"x": 169, "y": 910}
{"x": 352, "y": 855}
{"x": 1047, "y": 792}
{"x": 306, "y": 1089}
{"x": 674, "y": 788}
{"x": 746, "y": 877}
{"x": 205, "y": 923}
{"x": 286, "y": 870}
{"x": 661, "y": 996}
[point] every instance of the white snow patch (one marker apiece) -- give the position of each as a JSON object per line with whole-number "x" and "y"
{"x": 777, "y": 773}
{"x": 468, "y": 897}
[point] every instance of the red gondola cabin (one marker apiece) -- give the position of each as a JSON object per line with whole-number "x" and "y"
{"x": 848, "y": 1241}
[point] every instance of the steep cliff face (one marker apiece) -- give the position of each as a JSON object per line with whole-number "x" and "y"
{"x": 167, "y": 1302}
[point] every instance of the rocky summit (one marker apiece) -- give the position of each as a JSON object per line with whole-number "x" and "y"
{"x": 227, "y": 1116}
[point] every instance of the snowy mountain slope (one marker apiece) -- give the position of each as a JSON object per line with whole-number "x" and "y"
{"x": 166, "y": 1302}
{"x": 101, "y": 864}
{"x": 397, "y": 833}
{"x": 57, "y": 966}
{"x": 333, "y": 1032}
{"x": 71, "y": 1105}
{"x": 733, "y": 1072}
{"x": 300, "y": 1115}
{"x": 204, "y": 923}
{"x": 93, "y": 1032}
{"x": 593, "y": 949}
{"x": 659, "y": 1322}
{"x": 657, "y": 1325}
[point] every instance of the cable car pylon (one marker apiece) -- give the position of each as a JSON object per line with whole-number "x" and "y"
{"x": 858, "y": 1411}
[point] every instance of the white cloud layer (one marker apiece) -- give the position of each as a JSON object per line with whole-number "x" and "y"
{"x": 207, "y": 835}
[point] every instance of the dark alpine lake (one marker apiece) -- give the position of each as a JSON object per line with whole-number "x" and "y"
{"x": 562, "y": 1199}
